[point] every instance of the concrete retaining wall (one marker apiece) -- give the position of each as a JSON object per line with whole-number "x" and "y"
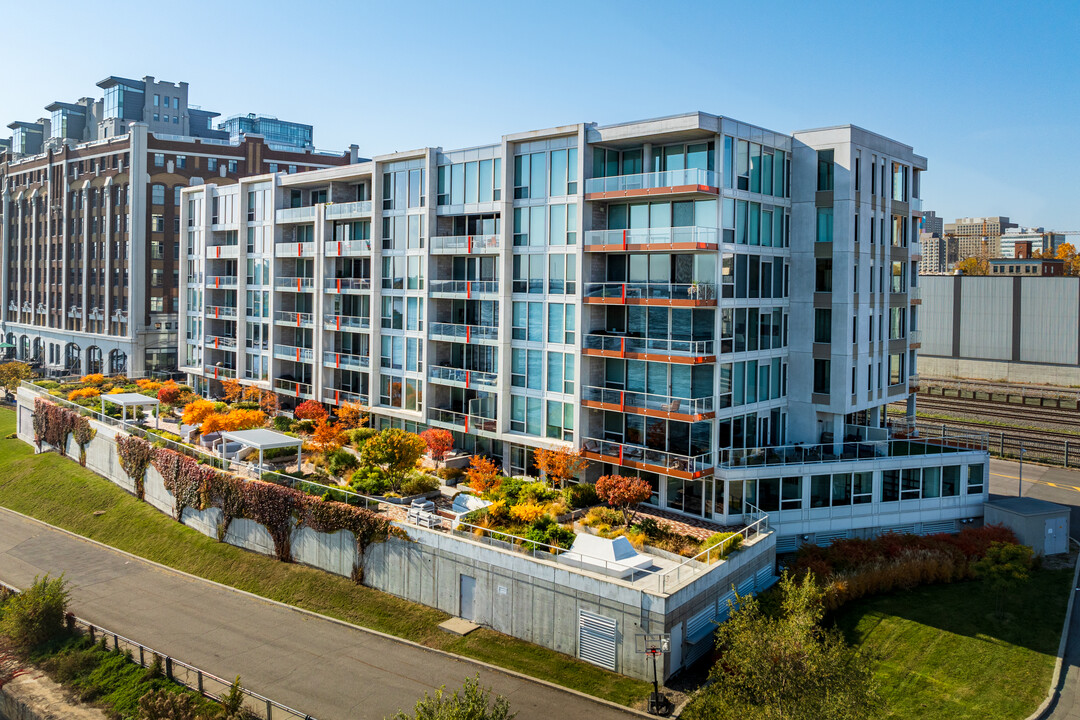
{"x": 533, "y": 599}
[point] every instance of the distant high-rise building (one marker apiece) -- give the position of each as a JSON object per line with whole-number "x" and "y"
{"x": 932, "y": 224}
{"x": 934, "y": 254}
{"x": 90, "y": 223}
{"x": 978, "y": 235}
{"x": 1040, "y": 239}
{"x": 276, "y": 132}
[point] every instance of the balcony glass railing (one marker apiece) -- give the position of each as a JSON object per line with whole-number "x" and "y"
{"x": 464, "y": 243}
{"x": 332, "y": 358}
{"x": 222, "y": 251}
{"x": 291, "y": 352}
{"x": 336, "y": 248}
{"x": 654, "y": 236}
{"x": 652, "y": 291}
{"x": 635, "y": 453}
{"x": 337, "y": 211}
{"x": 219, "y": 341}
{"x": 299, "y": 319}
{"x": 654, "y": 180}
{"x": 647, "y": 401}
{"x": 292, "y": 387}
{"x": 658, "y": 346}
{"x": 337, "y": 284}
{"x": 462, "y": 421}
{"x": 914, "y": 337}
{"x": 221, "y": 281}
{"x": 292, "y": 215}
{"x": 346, "y": 322}
{"x": 218, "y": 371}
{"x": 471, "y": 378}
{"x": 337, "y": 397}
{"x": 220, "y": 311}
{"x": 294, "y": 249}
{"x": 466, "y": 333}
{"x": 842, "y": 451}
{"x": 299, "y": 284}
{"x": 915, "y": 293}
{"x": 465, "y": 287}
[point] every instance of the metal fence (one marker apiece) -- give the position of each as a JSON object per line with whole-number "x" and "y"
{"x": 1009, "y": 445}
{"x": 207, "y": 684}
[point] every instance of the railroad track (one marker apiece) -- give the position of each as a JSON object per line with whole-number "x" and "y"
{"x": 1014, "y": 414}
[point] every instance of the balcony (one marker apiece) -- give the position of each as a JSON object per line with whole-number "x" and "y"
{"x": 346, "y": 248}
{"x": 658, "y": 239}
{"x": 655, "y": 349}
{"x": 459, "y": 377}
{"x": 295, "y": 215}
{"x": 915, "y": 295}
{"x": 462, "y": 244}
{"x": 219, "y": 342}
{"x": 636, "y": 403}
{"x": 334, "y": 396}
{"x": 295, "y": 319}
{"x": 220, "y": 311}
{"x": 855, "y": 450}
{"x": 671, "y": 182}
{"x": 218, "y": 372}
{"x": 464, "y": 333}
{"x": 914, "y": 339}
{"x": 296, "y": 354}
{"x": 293, "y": 388}
{"x": 220, "y": 281}
{"x": 642, "y": 458}
{"x": 465, "y": 288}
{"x": 214, "y": 252}
{"x": 665, "y": 294}
{"x": 913, "y": 382}
{"x": 295, "y": 284}
{"x": 349, "y": 210}
{"x": 334, "y": 359}
{"x": 463, "y": 422}
{"x": 346, "y": 322}
{"x": 294, "y": 249}
{"x": 346, "y": 285}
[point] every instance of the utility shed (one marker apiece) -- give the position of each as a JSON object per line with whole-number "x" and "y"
{"x": 1042, "y": 525}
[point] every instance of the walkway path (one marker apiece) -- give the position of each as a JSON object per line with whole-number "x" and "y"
{"x": 330, "y": 670}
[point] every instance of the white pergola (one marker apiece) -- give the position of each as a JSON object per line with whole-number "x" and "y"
{"x": 262, "y": 439}
{"x": 126, "y": 400}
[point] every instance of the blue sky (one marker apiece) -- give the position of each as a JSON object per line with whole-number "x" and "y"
{"x": 988, "y": 91}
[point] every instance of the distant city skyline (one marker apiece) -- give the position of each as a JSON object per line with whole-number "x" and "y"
{"x": 938, "y": 76}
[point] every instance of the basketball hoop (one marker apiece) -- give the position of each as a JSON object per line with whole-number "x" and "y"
{"x": 654, "y": 645}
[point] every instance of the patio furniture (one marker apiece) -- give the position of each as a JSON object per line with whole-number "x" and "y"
{"x": 672, "y": 406}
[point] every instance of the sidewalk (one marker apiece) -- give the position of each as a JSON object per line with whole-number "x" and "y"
{"x": 318, "y": 666}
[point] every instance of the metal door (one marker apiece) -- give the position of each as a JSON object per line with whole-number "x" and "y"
{"x": 1056, "y": 541}
{"x": 468, "y": 591}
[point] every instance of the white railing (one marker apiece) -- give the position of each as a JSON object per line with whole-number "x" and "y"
{"x": 218, "y": 372}
{"x": 694, "y": 465}
{"x": 291, "y": 352}
{"x": 334, "y": 396}
{"x": 332, "y": 358}
{"x": 299, "y": 284}
{"x": 647, "y": 401}
{"x": 298, "y": 319}
{"x": 469, "y": 378}
{"x": 291, "y": 215}
{"x": 338, "y": 211}
{"x": 850, "y": 450}
{"x": 656, "y": 346}
{"x": 698, "y": 292}
{"x": 220, "y": 311}
{"x": 219, "y": 341}
{"x": 220, "y": 281}
{"x": 338, "y": 284}
{"x": 465, "y": 243}
{"x": 291, "y": 387}
{"x": 213, "y": 252}
{"x": 339, "y": 248}
{"x": 462, "y": 421}
{"x": 467, "y": 333}
{"x": 346, "y": 322}
{"x": 654, "y": 236}
{"x": 465, "y": 287}
{"x": 294, "y": 249}
{"x": 655, "y": 180}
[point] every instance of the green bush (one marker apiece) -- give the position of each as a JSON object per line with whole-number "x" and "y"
{"x": 36, "y": 615}
{"x": 581, "y": 495}
{"x": 275, "y": 453}
{"x": 716, "y": 539}
{"x": 246, "y": 406}
{"x": 282, "y": 423}
{"x": 340, "y": 461}
{"x": 47, "y": 384}
{"x": 418, "y": 483}
{"x": 303, "y": 426}
{"x": 166, "y": 435}
{"x": 370, "y": 481}
{"x": 449, "y": 473}
{"x": 545, "y": 530}
{"x": 359, "y": 436}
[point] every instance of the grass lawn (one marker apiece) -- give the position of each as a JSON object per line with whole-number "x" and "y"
{"x": 942, "y": 653}
{"x": 58, "y": 491}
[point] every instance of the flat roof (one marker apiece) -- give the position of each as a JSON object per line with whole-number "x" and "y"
{"x": 1027, "y": 506}
{"x": 130, "y": 399}
{"x": 262, "y": 438}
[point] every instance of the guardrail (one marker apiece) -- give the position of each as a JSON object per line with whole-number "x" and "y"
{"x": 220, "y": 311}
{"x": 291, "y": 387}
{"x": 205, "y": 683}
{"x": 657, "y": 346}
{"x": 699, "y": 292}
{"x": 811, "y": 454}
{"x": 220, "y": 281}
{"x": 465, "y": 243}
{"x": 300, "y": 214}
{"x": 299, "y": 284}
{"x": 348, "y": 209}
{"x": 292, "y": 352}
{"x": 692, "y": 464}
{"x": 654, "y": 236}
{"x": 346, "y": 322}
{"x": 461, "y": 375}
{"x": 654, "y": 181}
{"x": 338, "y": 284}
{"x": 337, "y": 248}
{"x": 467, "y": 288}
{"x": 300, "y": 319}
{"x": 646, "y": 401}
{"x": 468, "y": 333}
{"x": 335, "y": 359}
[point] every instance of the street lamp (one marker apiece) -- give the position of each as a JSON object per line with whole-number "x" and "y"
{"x": 1020, "y": 489}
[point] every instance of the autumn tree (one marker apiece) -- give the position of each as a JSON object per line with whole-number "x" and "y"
{"x": 624, "y": 493}
{"x": 310, "y": 410}
{"x": 482, "y": 474}
{"x": 1067, "y": 252}
{"x": 232, "y": 421}
{"x": 327, "y": 436}
{"x": 12, "y": 374}
{"x": 560, "y": 465}
{"x": 973, "y": 265}
{"x": 197, "y": 411}
{"x": 439, "y": 443}
{"x": 232, "y": 389}
{"x": 785, "y": 666}
{"x": 268, "y": 402}
{"x": 251, "y": 393}
{"x": 351, "y": 415}
{"x": 395, "y": 452}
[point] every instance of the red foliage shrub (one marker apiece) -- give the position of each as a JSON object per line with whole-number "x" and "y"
{"x": 328, "y": 516}
{"x": 170, "y": 394}
{"x": 135, "y": 456}
{"x": 273, "y": 507}
{"x": 52, "y": 424}
{"x": 310, "y": 410}
{"x": 183, "y": 477}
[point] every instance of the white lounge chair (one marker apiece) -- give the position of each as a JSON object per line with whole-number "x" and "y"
{"x": 614, "y": 557}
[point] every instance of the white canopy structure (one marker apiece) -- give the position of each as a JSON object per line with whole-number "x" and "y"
{"x": 126, "y": 400}
{"x": 262, "y": 439}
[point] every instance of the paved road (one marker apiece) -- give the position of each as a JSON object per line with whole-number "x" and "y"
{"x": 317, "y": 666}
{"x": 1060, "y": 486}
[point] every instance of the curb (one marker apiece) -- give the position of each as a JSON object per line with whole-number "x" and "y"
{"x": 1057, "y": 681}
{"x": 343, "y": 623}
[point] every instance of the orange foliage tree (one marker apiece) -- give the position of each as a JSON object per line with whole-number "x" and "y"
{"x": 197, "y": 411}
{"x": 439, "y": 443}
{"x": 327, "y": 436}
{"x": 232, "y": 389}
{"x": 351, "y": 415}
{"x": 233, "y": 420}
{"x": 310, "y": 410}
{"x": 560, "y": 465}
{"x": 482, "y": 474}
{"x": 268, "y": 402}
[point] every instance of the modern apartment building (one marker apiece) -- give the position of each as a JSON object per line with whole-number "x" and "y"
{"x": 279, "y": 134}
{"x": 90, "y": 222}
{"x": 721, "y": 309}
{"x": 978, "y": 235}
{"x": 934, "y": 254}
{"x": 932, "y": 223}
{"x": 1030, "y": 240}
